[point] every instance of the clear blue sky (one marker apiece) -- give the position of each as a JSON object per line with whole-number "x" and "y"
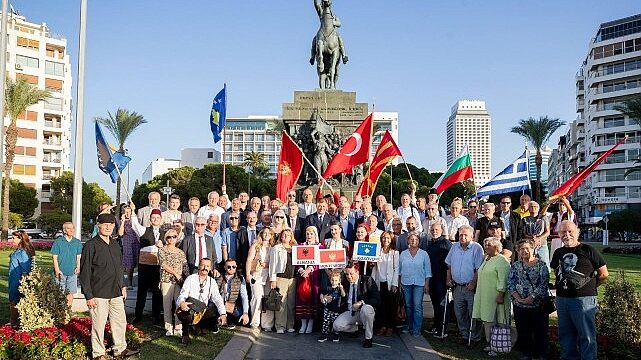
{"x": 167, "y": 59}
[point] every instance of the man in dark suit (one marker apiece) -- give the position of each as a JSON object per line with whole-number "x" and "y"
{"x": 511, "y": 223}
{"x": 189, "y": 217}
{"x": 295, "y": 222}
{"x": 362, "y": 298}
{"x": 320, "y": 219}
{"x": 198, "y": 245}
{"x": 348, "y": 222}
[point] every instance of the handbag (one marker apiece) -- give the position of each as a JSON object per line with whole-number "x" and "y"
{"x": 272, "y": 301}
{"x": 501, "y": 334}
{"x": 399, "y": 307}
{"x": 549, "y": 303}
{"x": 197, "y": 308}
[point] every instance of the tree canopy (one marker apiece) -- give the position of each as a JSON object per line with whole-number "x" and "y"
{"x": 62, "y": 195}
{"x": 23, "y": 200}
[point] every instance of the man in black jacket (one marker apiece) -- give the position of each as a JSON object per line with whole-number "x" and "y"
{"x": 511, "y": 223}
{"x": 437, "y": 248}
{"x": 362, "y": 298}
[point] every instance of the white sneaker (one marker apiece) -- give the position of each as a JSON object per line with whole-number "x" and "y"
{"x": 169, "y": 333}
{"x": 178, "y": 333}
{"x": 280, "y": 331}
{"x": 302, "y": 330}
{"x": 291, "y": 330}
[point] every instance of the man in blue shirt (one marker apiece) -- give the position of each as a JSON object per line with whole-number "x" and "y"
{"x": 230, "y": 236}
{"x": 213, "y": 230}
{"x": 463, "y": 261}
{"x": 66, "y": 251}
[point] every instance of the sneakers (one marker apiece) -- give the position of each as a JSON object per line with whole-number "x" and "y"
{"x": 169, "y": 333}
{"x": 280, "y": 331}
{"x": 230, "y": 326}
{"x": 215, "y": 329}
{"x": 178, "y": 333}
{"x": 431, "y": 331}
{"x": 440, "y": 336}
{"x": 267, "y": 329}
{"x": 291, "y": 330}
{"x": 335, "y": 338}
{"x": 322, "y": 338}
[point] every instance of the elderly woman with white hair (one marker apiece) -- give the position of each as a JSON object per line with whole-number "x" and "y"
{"x": 489, "y": 300}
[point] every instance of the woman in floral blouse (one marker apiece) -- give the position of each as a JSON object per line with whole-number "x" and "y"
{"x": 528, "y": 286}
{"x": 173, "y": 264}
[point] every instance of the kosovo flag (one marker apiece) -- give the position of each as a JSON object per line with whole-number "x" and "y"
{"x": 218, "y": 116}
{"x": 107, "y": 161}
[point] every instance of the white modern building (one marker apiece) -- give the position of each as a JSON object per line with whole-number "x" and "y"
{"x": 610, "y": 73}
{"x": 158, "y": 167}
{"x": 199, "y": 157}
{"x": 39, "y": 56}
{"x": 470, "y": 124}
{"x": 546, "y": 152}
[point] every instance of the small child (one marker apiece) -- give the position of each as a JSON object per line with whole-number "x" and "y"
{"x": 331, "y": 298}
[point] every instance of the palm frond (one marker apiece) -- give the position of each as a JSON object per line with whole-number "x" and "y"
{"x": 537, "y": 131}
{"x": 122, "y": 125}
{"x": 632, "y": 108}
{"x": 19, "y": 95}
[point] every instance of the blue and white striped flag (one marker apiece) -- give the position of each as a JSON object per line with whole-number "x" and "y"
{"x": 515, "y": 177}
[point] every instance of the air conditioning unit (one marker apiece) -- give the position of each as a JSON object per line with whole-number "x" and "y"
{"x": 18, "y": 67}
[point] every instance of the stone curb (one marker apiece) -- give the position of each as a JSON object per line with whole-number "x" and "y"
{"x": 239, "y": 345}
{"x": 419, "y": 348}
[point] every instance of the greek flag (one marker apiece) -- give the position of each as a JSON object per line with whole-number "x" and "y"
{"x": 515, "y": 177}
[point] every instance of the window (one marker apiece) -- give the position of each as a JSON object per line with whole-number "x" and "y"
{"x": 210, "y": 155}
{"x": 53, "y": 104}
{"x": 614, "y": 121}
{"x": 28, "y": 43}
{"x": 616, "y": 157}
{"x": 54, "y": 68}
{"x": 46, "y": 187}
{"x": 31, "y": 79}
{"x": 19, "y": 169}
{"x": 27, "y": 61}
{"x": 633, "y": 154}
{"x": 614, "y": 191}
{"x": 613, "y": 175}
{"x": 634, "y": 192}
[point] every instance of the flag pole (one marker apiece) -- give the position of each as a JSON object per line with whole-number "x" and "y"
{"x": 120, "y": 176}
{"x": 223, "y": 159}
{"x": 76, "y": 216}
{"x": 391, "y": 183}
{"x": 320, "y": 176}
{"x": 407, "y": 167}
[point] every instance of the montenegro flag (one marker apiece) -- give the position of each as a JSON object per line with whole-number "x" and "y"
{"x": 386, "y": 152}
{"x": 290, "y": 166}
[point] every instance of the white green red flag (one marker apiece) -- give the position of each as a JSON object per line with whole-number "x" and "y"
{"x": 460, "y": 170}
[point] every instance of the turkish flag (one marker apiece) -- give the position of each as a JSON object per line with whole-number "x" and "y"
{"x": 386, "y": 152}
{"x": 355, "y": 150}
{"x": 290, "y": 166}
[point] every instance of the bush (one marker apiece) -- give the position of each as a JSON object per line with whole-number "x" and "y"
{"x": 43, "y": 303}
{"x": 619, "y": 318}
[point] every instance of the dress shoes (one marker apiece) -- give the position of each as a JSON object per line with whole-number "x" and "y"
{"x": 126, "y": 353}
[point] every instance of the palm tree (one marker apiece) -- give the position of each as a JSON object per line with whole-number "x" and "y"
{"x": 537, "y": 132}
{"x": 19, "y": 95}
{"x": 255, "y": 161}
{"x": 121, "y": 127}
{"x": 632, "y": 108}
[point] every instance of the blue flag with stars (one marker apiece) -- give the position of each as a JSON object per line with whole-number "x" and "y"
{"x": 218, "y": 116}
{"x": 108, "y": 160}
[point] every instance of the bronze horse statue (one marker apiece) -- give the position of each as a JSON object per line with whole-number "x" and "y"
{"x": 327, "y": 46}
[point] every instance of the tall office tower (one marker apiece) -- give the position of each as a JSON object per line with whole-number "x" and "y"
{"x": 39, "y": 56}
{"x": 470, "y": 124}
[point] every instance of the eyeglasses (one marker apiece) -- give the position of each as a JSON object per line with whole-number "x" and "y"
{"x": 200, "y": 224}
{"x": 230, "y": 266}
{"x": 279, "y": 217}
{"x": 171, "y": 237}
{"x": 233, "y": 218}
{"x": 473, "y": 207}
{"x": 506, "y": 202}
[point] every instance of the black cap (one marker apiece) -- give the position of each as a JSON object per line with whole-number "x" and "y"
{"x": 106, "y": 218}
{"x": 494, "y": 223}
{"x": 433, "y": 191}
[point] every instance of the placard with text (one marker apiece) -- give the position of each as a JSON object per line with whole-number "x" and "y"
{"x": 366, "y": 251}
{"x": 331, "y": 259}
{"x": 305, "y": 255}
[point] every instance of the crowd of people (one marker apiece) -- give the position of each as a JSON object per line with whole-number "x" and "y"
{"x": 219, "y": 264}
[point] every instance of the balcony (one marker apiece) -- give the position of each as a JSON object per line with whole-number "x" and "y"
{"x": 53, "y": 124}
{"x": 51, "y": 159}
{"x": 52, "y": 142}
{"x": 48, "y": 176}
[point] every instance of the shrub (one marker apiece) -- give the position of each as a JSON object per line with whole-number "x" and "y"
{"x": 619, "y": 317}
{"x": 43, "y": 303}
{"x": 44, "y": 343}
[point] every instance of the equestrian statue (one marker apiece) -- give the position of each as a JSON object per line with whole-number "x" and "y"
{"x": 327, "y": 46}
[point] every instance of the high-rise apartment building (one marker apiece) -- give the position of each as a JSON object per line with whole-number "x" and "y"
{"x": 44, "y": 131}
{"x": 610, "y": 73}
{"x": 546, "y": 152}
{"x": 470, "y": 124}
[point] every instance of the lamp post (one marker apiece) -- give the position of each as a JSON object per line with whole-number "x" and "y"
{"x": 606, "y": 234}
{"x": 167, "y": 191}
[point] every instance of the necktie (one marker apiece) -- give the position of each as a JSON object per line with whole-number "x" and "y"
{"x": 293, "y": 221}
{"x": 320, "y": 219}
{"x": 252, "y": 236}
{"x": 353, "y": 299}
{"x": 200, "y": 249}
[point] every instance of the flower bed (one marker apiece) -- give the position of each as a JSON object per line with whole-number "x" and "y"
{"x": 70, "y": 341}
{"x": 37, "y": 245}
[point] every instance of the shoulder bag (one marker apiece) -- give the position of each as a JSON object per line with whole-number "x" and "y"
{"x": 272, "y": 301}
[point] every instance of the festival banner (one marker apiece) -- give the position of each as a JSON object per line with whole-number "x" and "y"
{"x": 331, "y": 259}
{"x": 305, "y": 255}
{"x": 366, "y": 251}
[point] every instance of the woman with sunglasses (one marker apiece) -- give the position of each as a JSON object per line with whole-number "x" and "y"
{"x": 257, "y": 271}
{"x": 308, "y": 287}
{"x": 173, "y": 264}
{"x": 20, "y": 262}
{"x": 278, "y": 223}
{"x": 282, "y": 277}
{"x": 130, "y": 244}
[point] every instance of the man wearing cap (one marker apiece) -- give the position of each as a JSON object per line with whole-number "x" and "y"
{"x": 148, "y": 269}
{"x": 102, "y": 281}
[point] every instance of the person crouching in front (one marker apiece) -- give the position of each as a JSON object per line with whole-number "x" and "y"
{"x": 202, "y": 288}
{"x": 233, "y": 289}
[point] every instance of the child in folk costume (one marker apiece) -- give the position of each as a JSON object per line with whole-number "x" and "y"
{"x": 308, "y": 288}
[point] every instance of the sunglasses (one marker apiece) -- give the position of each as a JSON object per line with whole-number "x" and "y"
{"x": 291, "y": 195}
{"x": 505, "y": 203}
{"x": 279, "y": 217}
{"x": 200, "y": 224}
{"x": 171, "y": 237}
{"x": 473, "y": 207}
{"x": 230, "y": 266}
{"x": 233, "y": 218}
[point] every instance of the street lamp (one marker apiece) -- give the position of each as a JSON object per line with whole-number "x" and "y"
{"x": 606, "y": 234}
{"x": 167, "y": 191}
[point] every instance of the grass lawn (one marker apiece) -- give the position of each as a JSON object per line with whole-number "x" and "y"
{"x": 450, "y": 349}
{"x": 158, "y": 346}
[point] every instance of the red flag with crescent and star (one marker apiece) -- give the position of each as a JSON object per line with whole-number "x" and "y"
{"x": 386, "y": 152}
{"x": 355, "y": 150}
{"x": 290, "y": 166}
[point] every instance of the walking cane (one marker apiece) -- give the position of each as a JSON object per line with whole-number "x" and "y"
{"x": 469, "y": 337}
{"x": 448, "y": 295}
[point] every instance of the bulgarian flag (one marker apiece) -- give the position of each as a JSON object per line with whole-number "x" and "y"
{"x": 460, "y": 170}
